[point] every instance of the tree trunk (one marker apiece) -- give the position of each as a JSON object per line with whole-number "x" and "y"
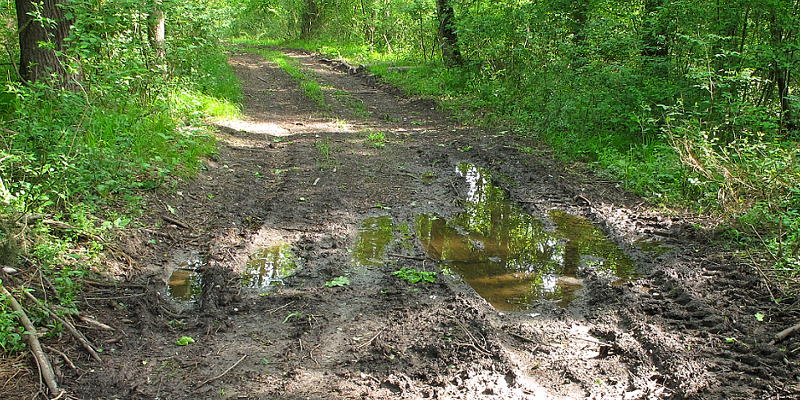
{"x": 308, "y": 18}
{"x": 42, "y": 30}
{"x": 781, "y": 73}
{"x": 448, "y": 40}
{"x": 156, "y": 31}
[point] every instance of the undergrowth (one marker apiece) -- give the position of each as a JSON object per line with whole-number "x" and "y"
{"x": 74, "y": 165}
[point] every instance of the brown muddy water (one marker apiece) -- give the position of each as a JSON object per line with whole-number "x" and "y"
{"x": 185, "y": 283}
{"x": 511, "y": 258}
{"x": 266, "y": 267}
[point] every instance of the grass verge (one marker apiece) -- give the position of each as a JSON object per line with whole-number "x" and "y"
{"x": 74, "y": 166}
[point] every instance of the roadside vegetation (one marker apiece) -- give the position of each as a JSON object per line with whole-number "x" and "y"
{"x": 120, "y": 113}
{"x": 690, "y": 104}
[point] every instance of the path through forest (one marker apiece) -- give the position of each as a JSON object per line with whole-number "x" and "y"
{"x": 320, "y": 189}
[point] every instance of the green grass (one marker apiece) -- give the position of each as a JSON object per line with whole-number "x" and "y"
{"x": 311, "y": 88}
{"x": 211, "y": 90}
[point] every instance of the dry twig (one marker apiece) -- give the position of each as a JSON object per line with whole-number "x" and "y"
{"x": 365, "y": 344}
{"x": 207, "y": 381}
{"x": 69, "y": 362}
{"x": 784, "y": 334}
{"x": 70, "y": 328}
{"x": 45, "y": 368}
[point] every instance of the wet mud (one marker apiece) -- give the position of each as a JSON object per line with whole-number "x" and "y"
{"x": 550, "y": 283}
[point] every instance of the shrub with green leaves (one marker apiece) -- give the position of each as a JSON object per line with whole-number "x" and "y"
{"x": 11, "y": 331}
{"x": 83, "y": 156}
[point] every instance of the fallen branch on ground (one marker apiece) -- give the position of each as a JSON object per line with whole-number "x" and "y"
{"x": 207, "y": 381}
{"x": 45, "y": 368}
{"x": 95, "y": 323}
{"x": 70, "y": 328}
{"x": 784, "y": 334}
{"x": 177, "y": 222}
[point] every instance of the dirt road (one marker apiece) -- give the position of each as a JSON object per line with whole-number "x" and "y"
{"x": 344, "y": 191}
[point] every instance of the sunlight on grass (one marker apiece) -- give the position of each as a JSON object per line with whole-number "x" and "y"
{"x": 198, "y": 105}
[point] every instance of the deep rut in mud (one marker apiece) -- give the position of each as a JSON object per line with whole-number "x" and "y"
{"x": 306, "y": 179}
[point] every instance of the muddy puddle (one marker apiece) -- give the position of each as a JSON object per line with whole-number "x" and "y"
{"x": 374, "y": 236}
{"x": 511, "y": 258}
{"x": 269, "y": 266}
{"x": 185, "y": 283}
{"x": 266, "y": 267}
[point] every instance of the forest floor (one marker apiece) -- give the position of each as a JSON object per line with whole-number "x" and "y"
{"x": 309, "y": 178}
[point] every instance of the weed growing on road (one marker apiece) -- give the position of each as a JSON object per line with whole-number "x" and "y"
{"x": 355, "y": 104}
{"x": 411, "y": 275}
{"x": 184, "y": 341}
{"x": 376, "y": 139}
{"x": 339, "y": 281}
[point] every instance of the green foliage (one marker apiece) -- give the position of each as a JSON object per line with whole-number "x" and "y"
{"x": 376, "y": 139}
{"x": 184, "y": 341}
{"x": 11, "y": 339}
{"x": 339, "y": 281}
{"x": 411, "y": 275}
{"x": 81, "y": 157}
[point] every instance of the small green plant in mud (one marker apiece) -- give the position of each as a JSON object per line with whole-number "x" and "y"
{"x": 411, "y": 275}
{"x": 184, "y": 341}
{"x": 292, "y": 315}
{"x": 324, "y": 148}
{"x": 339, "y": 281}
{"x": 355, "y": 104}
{"x": 390, "y": 118}
{"x": 176, "y": 323}
{"x": 447, "y": 271}
{"x": 428, "y": 176}
{"x": 465, "y": 149}
{"x": 376, "y": 139}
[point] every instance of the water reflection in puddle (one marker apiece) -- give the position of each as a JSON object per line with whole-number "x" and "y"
{"x": 374, "y": 235}
{"x": 269, "y": 266}
{"x": 185, "y": 283}
{"x": 509, "y": 257}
